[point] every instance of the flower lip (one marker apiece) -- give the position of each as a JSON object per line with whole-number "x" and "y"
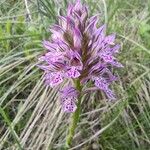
{"x": 53, "y": 79}
{"x": 68, "y": 98}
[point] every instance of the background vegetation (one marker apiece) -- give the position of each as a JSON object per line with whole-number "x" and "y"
{"x": 30, "y": 113}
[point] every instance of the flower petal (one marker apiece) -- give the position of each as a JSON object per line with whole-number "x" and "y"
{"x": 78, "y": 7}
{"x": 92, "y": 26}
{"x": 101, "y": 83}
{"x": 69, "y": 91}
{"x": 75, "y": 60}
{"x": 107, "y": 58}
{"x": 73, "y": 73}
{"x": 68, "y": 104}
{"x": 110, "y": 39}
{"x": 100, "y": 34}
{"x": 53, "y": 79}
{"x": 44, "y": 67}
{"x": 50, "y": 46}
{"x": 57, "y": 32}
{"x": 110, "y": 94}
{"x": 111, "y": 59}
{"x": 68, "y": 98}
{"x": 115, "y": 49}
{"x": 77, "y": 38}
{"x": 116, "y": 64}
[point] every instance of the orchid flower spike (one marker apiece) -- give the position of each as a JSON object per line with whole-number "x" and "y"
{"x": 78, "y": 49}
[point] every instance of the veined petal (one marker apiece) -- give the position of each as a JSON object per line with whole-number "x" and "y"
{"x": 69, "y": 10}
{"x": 56, "y": 29}
{"x": 110, "y": 94}
{"x": 97, "y": 69}
{"x": 44, "y": 67}
{"x": 102, "y": 84}
{"x": 115, "y": 49}
{"x": 50, "y": 46}
{"x": 100, "y": 34}
{"x": 77, "y": 38}
{"x": 110, "y": 77}
{"x": 57, "y": 32}
{"x": 78, "y": 20}
{"x": 63, "y": 22}
{"x": 69, "y": 91}
{"x": 111, "y": 50}
{"x": 54, "y": 56}
{"x": 84, "y": 15}
{"x": 75, "y": 59}
{"x": 92, "y": 26}
{"x": 51, "y": 58}
{"x": 70, "y": 24}
{"x": 116, "y": 64}
{"x": 110, "y": 39}
{"x": 58, "y": 65}
{"x": 78, "y": 7}
{"x": 62, "y": 46}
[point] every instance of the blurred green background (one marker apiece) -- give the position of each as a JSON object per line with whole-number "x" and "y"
{"x": 30, "y": 113}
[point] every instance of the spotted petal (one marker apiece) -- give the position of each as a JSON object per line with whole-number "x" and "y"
{"x": 73, "y": 73}
{"x": 68, "y": 104}
{"x": 111, "y": 59}
{"x": 68, "y": 98}
{"x": 53, "y": 79}
{"x": 101, "y": 83}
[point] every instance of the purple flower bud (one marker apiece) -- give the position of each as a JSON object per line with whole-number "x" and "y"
{"x": 80, "y": 50}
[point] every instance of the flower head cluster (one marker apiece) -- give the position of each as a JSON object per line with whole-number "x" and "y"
{"x": 78, "y": 49}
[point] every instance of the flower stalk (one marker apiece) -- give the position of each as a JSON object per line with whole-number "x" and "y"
{"x": 75, "y": 117}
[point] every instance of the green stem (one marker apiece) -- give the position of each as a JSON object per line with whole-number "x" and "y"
{"x": 75, "y": 118}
